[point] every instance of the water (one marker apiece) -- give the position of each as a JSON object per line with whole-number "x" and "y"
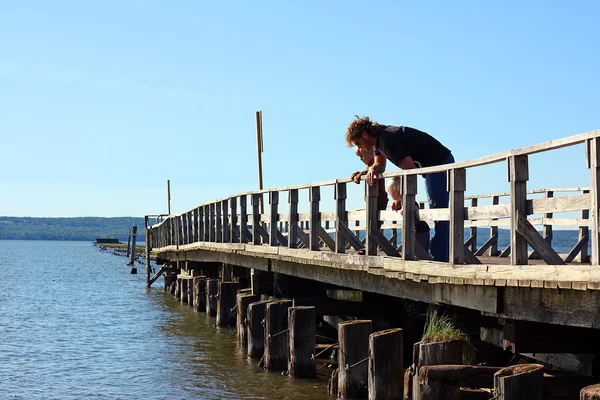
{"x": 75, "y": 324}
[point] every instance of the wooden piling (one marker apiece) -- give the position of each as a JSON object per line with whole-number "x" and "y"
{"x": 276, "y": 335}
{"x": 255, "y": 328}
{"x": 448, "y": 352}
{"x": 302, "y": 342}
{"x": 353, "y": 356}
{"x": 385, "y": 365}
{"x": 183, "y": 290}
{"x": 212, "y": 293}
{"x": 523, "y": 381}
{"x": 226, "y": 303}
{"x": 200, "y": 294}
{"x": 590, "y": 393}
{"x": 190, "y": 292}
{"x": 243, "y": 301}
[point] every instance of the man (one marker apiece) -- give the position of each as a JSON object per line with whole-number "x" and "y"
{"x": 407, "y": 148}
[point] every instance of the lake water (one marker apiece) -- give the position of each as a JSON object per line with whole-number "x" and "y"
{"x": 75, "y": 324}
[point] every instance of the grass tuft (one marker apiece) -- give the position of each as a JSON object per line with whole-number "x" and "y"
{"x": 440, "y": 328}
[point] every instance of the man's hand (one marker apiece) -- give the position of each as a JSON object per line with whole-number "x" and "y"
{"x": 371, "y": 176}
{"x": 397, "y": 205}
{"x": 356, "y": 176}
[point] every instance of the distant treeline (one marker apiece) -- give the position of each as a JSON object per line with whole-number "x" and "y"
{"x": 80, "y": 228}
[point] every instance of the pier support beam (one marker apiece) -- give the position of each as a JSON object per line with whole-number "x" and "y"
{"x": 256, "y": 328}
{"x": 276, "y": 335}
{"x": 212, "y": 293}
{"x": 302, "y": 325}
{"x": 243, "y": 301}
{"x": 226, "y": 303}
{"x": 353, "y": 357}
{"x": 183, "y": 285}
{"x": 385, "y": 365}
{"x": 199, "y": 294}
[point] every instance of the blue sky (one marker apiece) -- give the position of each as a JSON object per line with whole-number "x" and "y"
{"x": 102, "y": 102}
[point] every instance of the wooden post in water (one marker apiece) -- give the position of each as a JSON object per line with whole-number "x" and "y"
{"x": 226, "y": 310}
{"x": 353, "y": 368}
{"x": 448, "y": 352}
{"x": 190, "y": 292}
{"x": 147, "y": 250}
{"x": 212, "y": 294}
{"x": 385, "y": 365}
{"x": 302, "y": 342}
{"x": 518, "y": 175}
{"x": 276, "y": 335}
{"x": 133, "y": 239}
{"x": 243, "y": 301}
{"x": 590, "y": 392}
{"x": 183, "y": 290}
{"x": 200, "y": 294}
{"x": 522, "y": 381}
{"x": 256, "y": 329}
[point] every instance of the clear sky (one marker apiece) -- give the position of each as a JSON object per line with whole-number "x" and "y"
{"x": 102, "y": 102}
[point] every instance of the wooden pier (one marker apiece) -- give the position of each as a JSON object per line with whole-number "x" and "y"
{"x": 525, "y": 298}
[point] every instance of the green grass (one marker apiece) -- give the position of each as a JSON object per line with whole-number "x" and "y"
{"x": 440, "y": 328}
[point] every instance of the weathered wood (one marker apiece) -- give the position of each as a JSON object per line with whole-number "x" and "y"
{"x": 256, "y": 328}
{"x": 353, "y": 338}
{"x": 314, "y": 197}
{"x": 593, "y": 146}
{"x": 449, "y": 352}
{"x": 273, "y": 231}
{"x": 494, "y": 232}
{"x": 409, "y": 191}
{"x": 226, "y": 310}
{"x": 372, "y": 221}
{"x": 213, "y": 222}
{"x": 350, "y": 237}
{"x": 243, "y": 301}
{"x": 225, "y": 227}
{"x": 523, "y": 381}
{"x": 583, "y": 256}
{"x": 536, "y": 241}
{"x": 190, "y": 292}
{"x": 212, "y": 294}
{"x": 302, "y": 236}
{"x": 256, "y": 202}
{"x": 474, "y": 376}
{"x": 276, "y": 335}
{"x": 207, "y": 223}
{"x": 575, "y": 202}
{"x": 457, "y": 180}
{"x": 473, "y": 230}
{"x": 386, "y": 365}
{"x": 302, "y": 342}
{"x": 382, "y": 242}
{"x": 183, "y": 289}
{"x": 469, "y": 258}
{"x": 293, "y": 223}
{"x": 341, "y": 217}
{"x": 324, "y": 236}
{"x": 199, "y": 294}
{"x": 470, "y": 241}
{"x": 244, "y": 238}
{"x": 590, "y": 392}
{"x": 493, "y": 240}
{"x": 581, "y": 245}
{"x": 518, "y": 176}
{"x": 156, "y": 276}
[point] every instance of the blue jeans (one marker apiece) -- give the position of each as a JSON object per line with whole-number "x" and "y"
{"x": 437, "y": 195}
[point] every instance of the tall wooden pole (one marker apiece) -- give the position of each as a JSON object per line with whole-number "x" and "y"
{"x": 259, "y": 149}
{"x": 169, "y": 194}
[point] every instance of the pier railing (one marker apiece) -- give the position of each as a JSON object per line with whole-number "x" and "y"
{"x": 240, "y": 218}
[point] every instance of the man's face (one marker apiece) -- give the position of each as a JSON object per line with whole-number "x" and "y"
{"x": 364, "y": 142}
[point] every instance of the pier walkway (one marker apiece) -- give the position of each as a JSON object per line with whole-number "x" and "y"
{"x": 528, "y": 280}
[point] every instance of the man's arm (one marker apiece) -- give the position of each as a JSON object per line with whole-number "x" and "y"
{"x": 406, "y": 163}
{"x": 378, "y": 167}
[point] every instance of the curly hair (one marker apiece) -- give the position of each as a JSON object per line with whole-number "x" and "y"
{"x": 357, "y": 127}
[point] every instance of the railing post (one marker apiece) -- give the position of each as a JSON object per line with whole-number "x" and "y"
{"x": 184, "y": 225}
{"x": 190, "y": 232}
{"x": 206, "y": 223}
{"x": 457, "y": 181}
{"x": 409, "y": 192}
{"x": 372, "y": 217}
{"x": 315, "y": 217}
{"x": 233, "y": 221}
{"x": 273, "y": 201}
{"x": 494, "y": 230}
{"x": 293, "y": 225}
{"x": 225, "y": 211}
{"x": 212, "y": 223}
{"x": 341, "y": 216}
{"x": 583, "y": 256}
{"x": 243, "y": 219}
{"x": 196, "y": 225}
{"x": 547, "y": 228}
{"x": 473, "y": 229}
{"x": 593, "y": 148}
{"x": 518, "y": 175}
{"x": 256, "y": 200}
{"x": 218, "y": 222}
